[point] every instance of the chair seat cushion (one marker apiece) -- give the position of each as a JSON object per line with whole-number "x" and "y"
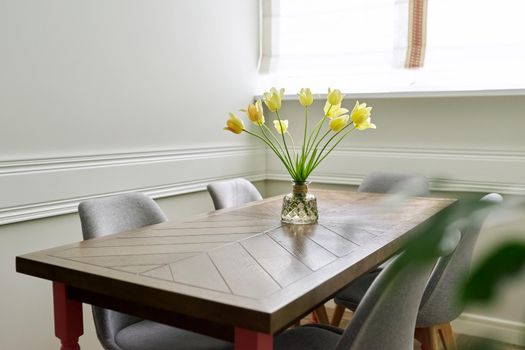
{"x": 308, "y": 337}
{"x": 352, "y": 294}
{"x": 155, "y": 336}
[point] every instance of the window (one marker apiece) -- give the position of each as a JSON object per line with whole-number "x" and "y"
{"x": 359, "y": 45}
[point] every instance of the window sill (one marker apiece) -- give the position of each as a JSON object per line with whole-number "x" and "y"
{"x": 416, "y": 94}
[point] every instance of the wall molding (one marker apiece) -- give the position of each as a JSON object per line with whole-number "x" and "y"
{"x": 24, "y": 166}
{"x": 440, "y": 153}
{"x": 43, "y": 187}
{"x": 490, "y": 327}
{"x": 436, "y": 184}
{"x": 458, "y": 170}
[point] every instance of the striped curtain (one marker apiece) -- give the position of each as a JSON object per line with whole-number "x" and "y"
{"x": 389, "y": 45}
{"x": 417, "y": 31}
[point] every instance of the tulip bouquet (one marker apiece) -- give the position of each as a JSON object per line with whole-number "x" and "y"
{"x": 318, "y": 142}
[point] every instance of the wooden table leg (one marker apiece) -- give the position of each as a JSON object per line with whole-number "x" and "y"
{"x": 428, "y": 337}
{"x": 251, "y": 340}
{"x": 68, "y": 318}
{"x": 338, "y": 315}
{"x": 322, "y": 315}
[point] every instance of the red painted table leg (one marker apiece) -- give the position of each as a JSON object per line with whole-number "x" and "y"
{"x": 250, "y": 340}
{"x": 68, "y": 318}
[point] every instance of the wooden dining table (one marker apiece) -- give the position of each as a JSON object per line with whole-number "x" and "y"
{"x": 237, "y": 274}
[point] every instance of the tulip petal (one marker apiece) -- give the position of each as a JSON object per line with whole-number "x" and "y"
{"x": 234, "y": 124}
{"x": 281, "y": 126}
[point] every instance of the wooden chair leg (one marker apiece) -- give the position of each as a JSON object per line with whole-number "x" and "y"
{"x": 447, "y": 336}
{"x": 428, "y": 337}
{"x": 338, "y": 315}
{"x": 322, "y": 315}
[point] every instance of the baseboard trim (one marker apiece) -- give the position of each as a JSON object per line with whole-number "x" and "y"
{"x": 490, "y": 327}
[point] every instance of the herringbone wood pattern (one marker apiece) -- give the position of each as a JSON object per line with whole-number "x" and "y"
{"x": 241, "y": 262}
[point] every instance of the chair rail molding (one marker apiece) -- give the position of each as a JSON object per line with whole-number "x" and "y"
{"x": 42, "y": 187}
{"x": 462, "y": 170}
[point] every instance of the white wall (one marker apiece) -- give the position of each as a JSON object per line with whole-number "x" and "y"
{"x": 97, "y": 77}
{"x": 472, "y": 144}
{"x": 107, "y": 96}
{"x": 98, "y": 97}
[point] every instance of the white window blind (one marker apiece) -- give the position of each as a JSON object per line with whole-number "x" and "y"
{"x": 358, "y": 45}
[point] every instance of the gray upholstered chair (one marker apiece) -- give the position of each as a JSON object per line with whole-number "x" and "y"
{"x": 439, "y": 305}
{"x": 382, "y": 182}
{"x": 115, "y": 330}
{"x": 232, "y": 193}
{"x": 384, "y": 320}
{"x": 378, "y": 182}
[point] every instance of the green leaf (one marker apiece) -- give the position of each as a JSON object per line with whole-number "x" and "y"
{"x": 310, "y": 163}
{"x": 425, "y": 242}
{"x": 505, "y": 261}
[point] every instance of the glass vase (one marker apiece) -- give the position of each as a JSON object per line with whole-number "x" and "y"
{"x": 300, "y": 206}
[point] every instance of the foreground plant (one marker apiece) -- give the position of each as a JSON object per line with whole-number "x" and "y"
{"x": 318, "y": 141}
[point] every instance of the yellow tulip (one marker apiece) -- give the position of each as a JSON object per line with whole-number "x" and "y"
{"x": 305, "y": 97}
{"x": 273, "y": 98}
{"x": 334, "y": 97}
{"x": 333, "y": 111}
{"x": 360, "y": 113}
{"x": 234, "y": 124}
{"x": 338, "y": 123}
{"x": 255, "y": 112}
{"x": 281, "y": 127}
{"x": 361, "y": 116}
{"x": 366, "y": 125}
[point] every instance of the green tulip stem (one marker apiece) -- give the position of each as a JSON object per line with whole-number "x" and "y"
{"x": 305, "y": 132}
{"x": 275, "y": 138}
{"x": 272, "y": 147}
{"x": 331, "y": 138}
{"x": 293, "y": 147}
{"x": 321, "y": 156}
{"x": 318, "y": 126}
{"x": 282, "y": 134}
{"x": 323, "y": 137}
{"x": 332, "y": 148}
{"x": 308, "y": 148}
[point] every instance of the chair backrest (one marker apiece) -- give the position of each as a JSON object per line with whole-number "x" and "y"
{"x": 104, "y": 216}
{"x": 382, "y": 182}
{"x": 386, "y": 317}
{"x": 440, "y": 303}
{"x": 232, "y": 193}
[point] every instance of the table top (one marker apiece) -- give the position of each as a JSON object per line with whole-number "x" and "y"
{"x": 238, "y": 266}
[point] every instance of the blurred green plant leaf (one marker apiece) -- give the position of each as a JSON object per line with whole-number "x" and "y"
{"x": 425, "y": 243}
{"x": 506, "y": 261}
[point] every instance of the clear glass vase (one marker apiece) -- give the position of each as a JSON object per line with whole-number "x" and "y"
{"x": 300, "y": 206}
